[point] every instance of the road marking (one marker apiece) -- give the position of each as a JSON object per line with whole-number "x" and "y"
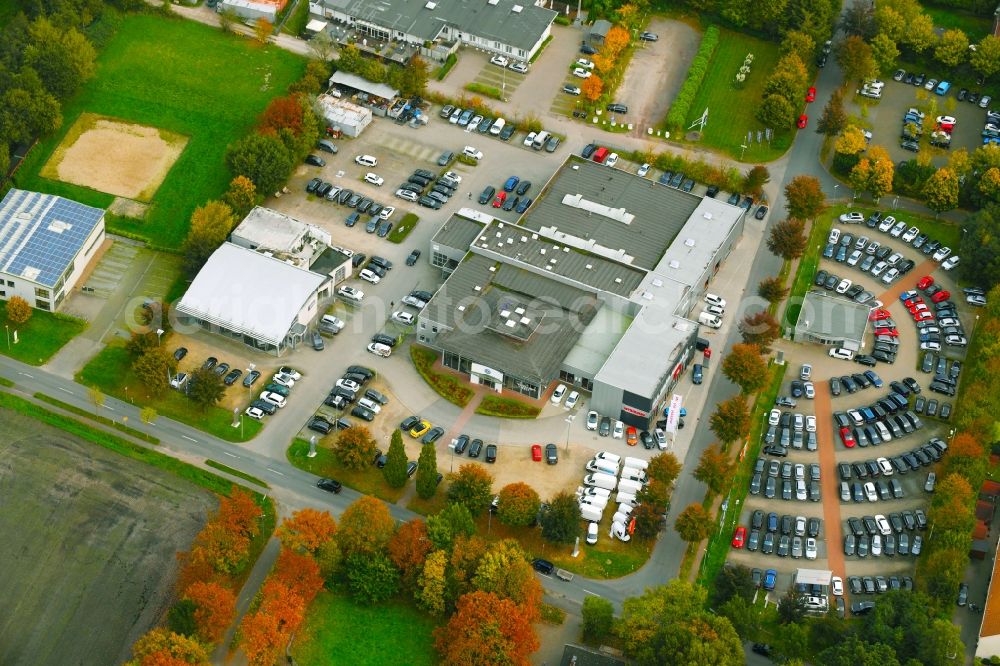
{"x": 190, "y": 439}
{"x": 275, "y": 471}
{"x": 231, "y": 455}
{"x": 64, "y": 390}
{"x": 589, "y": 592}
{"x": 26, "y": 375}
{"x": 109, "y": 407}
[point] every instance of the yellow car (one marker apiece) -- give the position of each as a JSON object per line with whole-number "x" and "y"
{"x": 420, "y": 429}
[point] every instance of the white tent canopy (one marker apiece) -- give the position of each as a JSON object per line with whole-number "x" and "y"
{"x": 813, "y": 576}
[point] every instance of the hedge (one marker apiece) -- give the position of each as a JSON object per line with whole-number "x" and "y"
{"x": 483, "y": 89}
{"x": 696, "y": 74}
{"x": 723, "y": 175}
{"x": 446, "y": 67}
{"x": 493, "y": 405}
{"x": 447, "y": 386}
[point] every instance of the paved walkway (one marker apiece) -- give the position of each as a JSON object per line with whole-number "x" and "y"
{"x": 829, "y": 479}
{"x": 260, "y": 571}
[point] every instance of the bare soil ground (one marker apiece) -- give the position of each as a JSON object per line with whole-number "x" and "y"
{"x": 89, "y": 545}
{"x": 114, "y": 156}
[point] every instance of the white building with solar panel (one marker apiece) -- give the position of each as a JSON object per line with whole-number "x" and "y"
{"x": 46, "y": 244}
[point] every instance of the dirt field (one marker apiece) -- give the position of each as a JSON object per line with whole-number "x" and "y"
{"x": 88, "y": 548}
{"x": 116, "y": 157}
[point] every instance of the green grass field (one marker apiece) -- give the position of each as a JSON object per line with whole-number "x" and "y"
{"x": 731, "y": 110}
{"x": 339, "y": 631}
{"x": 40, "y": 337}
{"x": 184, "y": 77}
{"x": 974, "y": 27}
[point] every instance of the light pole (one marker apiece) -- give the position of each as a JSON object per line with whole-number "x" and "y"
{"x": 250, "y": 368}
{"x": 7, "y": 326}
{"x": 569, "y": 422}
{"x": 159, "y": 335}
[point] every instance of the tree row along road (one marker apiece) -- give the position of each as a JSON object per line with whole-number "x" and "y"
{"x": 290, "y": 487}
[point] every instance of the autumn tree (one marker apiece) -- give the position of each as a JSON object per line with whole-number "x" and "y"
{"x": 615, "y": 41}
{"x": 602, "y": 63}
{"x": 860, "y": 175}
{"x": 855, "y": 58}
{"x": 776, "y": 111}
{"x": 307, "y": 530}
{"x": 210, "y": 225}
{"x": 592, "y": 87}
{"x": 731, "y": 419}
{"x": 355, "y": 448}
{"x": 161, "y": 647}
{"x": 408, "y": 549}
{"x": 241, "y": 196}
{"x": 262, "y": 638}
{"x": 787, "y": 238}
{"x": 365, "y": 527}
{"x": 432, "y": 584}
{"x": 745, "y": 367}
{"x": 851, "y": 143}
{"x": 262, "y": 29}
{"x": 941, "y": 190}
{"x": 715, "y": 468}
{"x": 664, "y": 467}
{"x": 472, "y": 487}
{"x": 649, "y": 514}
{"x": 466, "y": 554}
{"x": 804, "y": 198}
{"x": 952, "y": 48}
{"x": 448, "y": 524}
{"x": 986, "y": 58}
{"x": 561, "y": 521}
{"x": 394, "y": 471}
{"x": 282, "y": 113}
{"x": 756, "y": 178}
{"x": 884, "y": 52}
{"x": 427, "y": 472}
{"x": 796, "y": 41}
{"x": 883, "y": 170}
{"x": 18, "y": 310}
{"x": 154, "y": 368}
{"x": 694, "y": 523}
{"x": 504, "y": 570}
{"x": 486, "y": 629}
{"x": 205, "y": 388}
{"x": 760, "y": 329}
{"x": 833, "y": 118}
{"x": 772, "y": 289}
{"x": 519, "y": 505}
{"x": 215, "y": 608}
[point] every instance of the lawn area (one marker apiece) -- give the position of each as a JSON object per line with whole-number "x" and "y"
{"x": 111, "y": 372}
{"x": 339, "y": 631}
{"x": 731, "y": 110}
{"x": 40, "y": 337}
{"x": 184, "y": 77}
{"x": 948, "y": 18}
{"x": 368, "y": 481}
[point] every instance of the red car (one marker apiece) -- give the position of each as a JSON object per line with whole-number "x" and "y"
{"x": 910, "y": 302}
{"x": 925, "y": 282}
{"x": 631, "y": 436}
{"x": 917, "y": 307}
{"x": 846, "y": 437}
{"x": 811, "y": 95}
{"x": 941, "y": 296}
{"x": 740, "y": 537}
{"x": 947, "y": 128}
{"x": 501, "y": 197}
{"x": 891, "y": 332}
{"x": 922, "y": 315}
{"x": 803, "y": 121}
{"x": 879, "y": 315}
{"x": 536, "y": 452}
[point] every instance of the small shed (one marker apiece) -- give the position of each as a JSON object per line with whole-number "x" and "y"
{"x": 342, "y": 115}
{"x": 832, "y": 320}
{"x": 599, "y": 31}
{"x": 314, "y": 27}
{"x": 248, "y": 10}
{"x": 359, "y": 83}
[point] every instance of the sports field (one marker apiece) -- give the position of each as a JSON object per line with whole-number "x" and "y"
{"x": 186, "y": 79}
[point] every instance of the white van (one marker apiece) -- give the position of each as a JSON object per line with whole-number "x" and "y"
{"x": 607, "y": 455}
{"x": 631, "y": 474}
{"x": 591, "y": 513}
{"x": 582, "y": 492}
{"x": 498, "y": 126}
{"x": 636, "y": 463}
{"x": 625, "y": 498}
{"x": 710, "y": 320}
{"x": 602, "y": 466}
{"x": 620, "y": 518}
{"x": 620, "y": 531}
{"x": 366, "y": 160}
{"x": 606, "y": 481}
{"x": 540, "y": 140}
{"x": 630, "y": 486}
{"x": 599, "y": 502}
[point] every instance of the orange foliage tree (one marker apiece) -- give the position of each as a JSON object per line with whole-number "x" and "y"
{"x": 162, "y": 647}
{"x": 239, "y": 513}
{"x": 261, "y": 638}
{"x": 408, "y": 548}
{"x": 615, "y": 42}
{"x": 282, "y": 113}
{"x": 365, "y": 527}
{"x": 466, "y": 553}
{"x": 215, "y": 609}
{"x": 300, "y": 573}
{"x": 224, "y": 543}
{"x": 602, "y": 63}
{"x": 504, "y": 570}
{"x": 307, "y": 530}
{"x": 592, "y": 87}
{"x": 486, "y": 629}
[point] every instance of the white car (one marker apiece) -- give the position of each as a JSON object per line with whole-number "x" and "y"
{"x": 942, "y": 253}
{"x": 592, "y": 533}
{"x": 255, "y": 413}
{"x": 275, "y": 399}
{"x": 910, "y": 234}
{"x": 290, "y": 372}
{"x": 774, "y": 417}
{"x": 530, "y": 139}
{"x": 582, "y": 73}
{"x": 374, "y": 179}
{"x": 950, "y": 262}
{"x": 572, "y": 399}
{"x": 403, "y": 317}
{"x": 469, "y": 151}
{"x": 712, "y": 299}
{"x": 586, "y": 64}
{"x": 810, "y": 423}
{"x": 837, "y": 584}
{"x": 414, "y": 302}
{"x": 946, "y": 120}
{"x": 379, "y": 349}
{"x": 898, "y": 230}
{"x": 451, "y": 175}
{"x": 281, "y": 379}
{"x": 370, "y": 405}
{"x": 558, "y": 394}
{"x": 407, "y": 195}
{"x": 386, "y": 213}
{"x": 612, "y": 160}
{"x": 853, "y": 217}
{"x": 890, "y": 276}
{"x": 591, "y": 420}
{"x": 571, "y": 90}
{"x": 887, "y": 223}
{"x": 834, "y": 236}
{"x": 715, "y": 309}
{"x": 619, "y": 430}
{"x": 870, "y": 493}
{"x": 178, "y": 380}
{"x": 349, "y": 384}
{"x": 844, "y": 285}
{"x": 883, "y": 525}
{"x": 661, "y": 438}
{"x": 351, "y": 294}
{"x": 366, "y": 160}
{"x": 885, "y": 466}
{"x": 643, "y": 170}
{"x": 519, "y": 67}
{"x": 841, "y": 353}
{"x": 810, "y": 390}
{"x": 500, "y": 60}
{"x": 811, "y": 548}
{"x": 369, "y": 276}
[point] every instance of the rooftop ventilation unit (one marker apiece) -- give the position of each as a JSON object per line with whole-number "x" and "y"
{"x": 553, "y": 260}
{"x": 510, "y": 241}
{"x": 525, "y": 320}
{"x": 707, "y": 215}
{"x": 477, "y": 288}
{"x": 590, "y": 267}
{"x": 461, "y": 308}
{"x": 657, "y": 282}
{"x": 674, "y": 263}
{"x": 534, "y": 236}
{"x": 499, "y": 235}
{"x": 494, "y": 2}
{"x": 548, "y": 268}
{"x": 505, "y": 313}
{"x": 576, "y": 167}
{"x": 493, "y": 269}
{"x": 647, "y": 296}
{"x": 689, "y": 242}
{"x": 431, "y": 5}
{"x": 516, "y": 9}
{"x": 510, "y": 323}
{"x": 566, "y": 249}
{"x": 618, "y": 280}
{"x": 499, "y": 225}
{"x": 524, "y": 239}
{"x": 58, "y": 226}
{"x": 542, "y": 251}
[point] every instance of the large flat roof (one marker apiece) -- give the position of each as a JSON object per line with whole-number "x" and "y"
{"x": 698, "y": 242}
{"x": 41, "y": 234}
{"x": 613, "y": 209}
{"x": 516, "y": 22}
{"x": 250, "y": 293}
{"x": 269, "y": 229}
{"x": 832, "y": 317}
{"x": 458, "y": 232}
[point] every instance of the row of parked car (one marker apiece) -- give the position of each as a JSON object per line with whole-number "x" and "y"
{"x": 795, "y": 482}
{"x": 910, "y": 234}
{"x": 350, "y": 390}
{"x": 795, "y": 429}
{"x": 791, "y": 535}
{"x": 874, "y": 536}
{"x": 608, "y": 472}
{"x": 512, "y": 196}
{"x": 275, "y": 394}
{"x": 441, "y": 188}
{"x": 866, "y": 255}
{"x": 882, "y": 421}
{"x": 378, "y": 220}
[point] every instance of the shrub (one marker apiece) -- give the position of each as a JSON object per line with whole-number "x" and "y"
{"x": 403, "y": 228}
{"x": 446, "y": 67}
{"x": 696, "y": 74}
{"x": 510, "y": 408}
{"x": 483, "y": 89}
{"x": 445, "y": 385}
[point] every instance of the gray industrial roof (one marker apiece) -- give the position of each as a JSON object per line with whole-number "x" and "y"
{"x": 832, "y": 317}
{"x": 560, "y": 258}
{"x": 580, "y": 201}
{"x": 467, "y": 315}
{"x": 598, "y": 341}
{"x": 698, "y": 243}
{"x": 493, "y": 21}
{"x": 382, "y": 90}
{"x": 458, "y": 232}
{"x": 271, "y": 230}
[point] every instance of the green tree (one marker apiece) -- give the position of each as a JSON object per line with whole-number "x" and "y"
{"x": 4, "y": 161}
{"x": 472, "y": 487}
{"x": 772, "y": 289}
{"x": 884, "y": 52}
{"x": 986, "y": 58}
{"x": 797, "y": 42}
{"x": 27, "y": 114}
{"x": 694, "y": 523}
{"x": 776, "y": 111}
{"x": 394, "y": 471}
{"x": 745, "y": 367}
{"x": 355, "y": 448}
{"x": 432, "y": 583}
{"x": 834, "y": 118}
{"x": 787, "y": 239}
{"x": 154, "y": 368}
{"x": 518, "y": 505}
{"x": 980, "y": 247}
{"x": 61, "y": 55}
{"x": 264, "y": 159}
{"x": 322, "y": 46}
{"x": 804, "y": 198}
{"x": 180, "y": 618}
{"x": 147, "y": 415}
{"x": 373, "y": 578}
{"x": 731, "y": 419}
{"x": 855, "y": 57}
{"x": 561, "y": 521}
{"x": 504, "y": 571}
{"x": 210, "y": 225}
{"x": 760, "y": 329}
{"x": 715, "y": 468}
{"x": 941, "y": 190}
{"x": 743, "y": 615}
{"x": 733, "y": 581}
{"x": 952, "y": 49}
{"x": 852, "y": 651}
{"x": 906, "y": 622}
{"x": 940, "y": 574}
{"x": 450, "y": 523}
{"x": 366, "y": 527}
{"x": 598, "y": 617}
{"x": 427, "y": 472}
{"x": 792, "y": 607}
{"x": 205, "y": 388}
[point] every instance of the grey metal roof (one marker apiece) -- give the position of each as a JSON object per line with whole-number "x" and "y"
{"x": 467, "y": 315}
{"x": 833, "y": 317}
{"x": 382, "y": 90}
{"x": 657, "y": 212}
{"x": 41, "y": 234}
{"x": 557, "y": 257}
{"x": 458, "y": 232}
{"x": 425, "y": 19}
{"x": 645, "y": 354}
{"x": 697, "y": 244}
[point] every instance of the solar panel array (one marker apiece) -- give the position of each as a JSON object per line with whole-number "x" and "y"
{"x": 41, "y": 234}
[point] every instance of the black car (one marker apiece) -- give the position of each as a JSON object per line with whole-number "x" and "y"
{"x": 180, "y": 353}
{"x": 761, "y": 212}
{"x": 648, "y": 37}
{"x": 551, "y": 454}
{"x": 605, "y": 428}
{"x": 433, "y": 435}
{"x": 363, "y": 413}
{"x": 646, "y": 439}
{"x": 446, "y": 158}
{"x": 329, "y": 485}
{"x": 265, "y": 406}
{"x": 320, "y": 425}
{"x": 231, "y": 378}
{"x": 428, "y": 202}
{"x": 712, "y": 191}
{"x": 383, "y": 339}
{"x": 491, "y": 453}
{"x": 384, "y": 228}
{"x": 411, "y": 468}
{"x": 411, "y": 260}
{"x": 409, "y": 422}
{"x": 587, "y": 151}
{"x": 617, "y": 108}
{"x": 313, "y": 185}
{"x": 315, "y": 161}
{"x": 587, "y": 49}
{"x": 475, "y": 448}
{"x": 523, "y": 188}
{"x": 487, "y": 194}
{"x": 251, "y": 378}
{"x": 543, "y": 566}
{"x": 507, "y": 132}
